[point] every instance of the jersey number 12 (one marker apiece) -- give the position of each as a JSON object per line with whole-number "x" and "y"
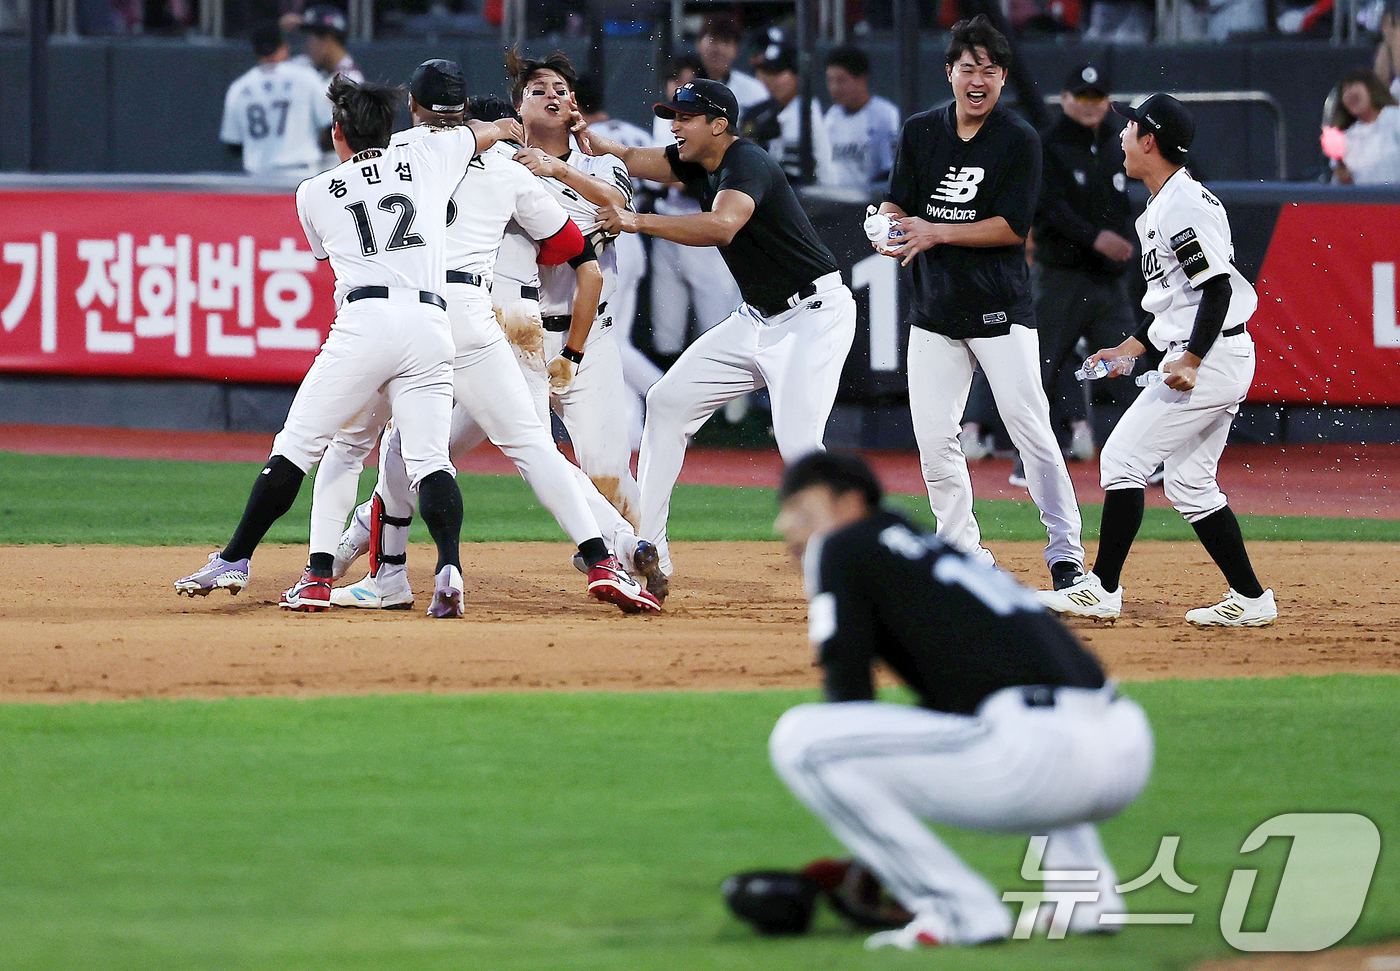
{"x": 400, "y": 238}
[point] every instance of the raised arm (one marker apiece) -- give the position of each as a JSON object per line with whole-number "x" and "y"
{"x": 731, "y": 211}
{"x": 642, "y": 163}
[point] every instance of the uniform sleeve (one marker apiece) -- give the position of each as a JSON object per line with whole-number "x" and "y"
{"x": 312, "y": 236}
{"x": 750, "y": 173}
{"x": 455, "y": 148}
{"x": 904, "y": 179}
{"x": 231, "y": 132}
{"x": 1196, "y": 242}
{"x": 1020, "y": 185}
{"x": 536, "y": 210}
{"x": 617, "y": 174}
{"x": 841, "y": 624}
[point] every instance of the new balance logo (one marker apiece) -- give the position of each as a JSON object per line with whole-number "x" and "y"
{"x": 1230, "y": 611}
{"x": 1083, "y": 598}
{"x": 960, "y": 184}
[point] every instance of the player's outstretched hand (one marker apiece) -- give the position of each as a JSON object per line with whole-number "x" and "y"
{"x": 1181, "y": 373}
{"x": 919, "y": 235}
{"x": 561, "y": 375}
{"x": 541, "y": 163}
{"x": 613, "y": 220}
{"x": 511, "y": 130}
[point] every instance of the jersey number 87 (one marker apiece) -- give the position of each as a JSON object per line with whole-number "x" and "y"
{"x": 258, "y": 126}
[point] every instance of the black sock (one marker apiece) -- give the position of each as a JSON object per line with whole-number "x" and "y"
{"x": 593, "y": 551}
{"x": 1220, "y": 534}
{"x": 273, "y": 493}
{"x": 1122, "y": 518}
{"x": 1063, "y": 573}
{"x": 440, "y": 504}
{"x": 321, "y": 564}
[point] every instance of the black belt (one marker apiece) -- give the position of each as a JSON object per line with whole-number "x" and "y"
{"x": 773, "y": 309}
{"x": 530, "y": 293}
{"x": 457, "y": 276}
{"x": 382, "y": 293}
{"x": 559, "y": 323}
{"x": 1234, "y": 331}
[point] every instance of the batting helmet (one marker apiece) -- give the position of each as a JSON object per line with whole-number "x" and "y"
{"x": 773, "y": 901}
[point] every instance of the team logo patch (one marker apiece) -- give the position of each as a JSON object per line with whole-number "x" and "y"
{"x": 997, "y": 318}
{"x": 960, "y": 184}
{"x": 1183, "y": 237}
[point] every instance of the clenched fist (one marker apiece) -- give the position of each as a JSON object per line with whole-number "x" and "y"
{"x": 561, "y": 375}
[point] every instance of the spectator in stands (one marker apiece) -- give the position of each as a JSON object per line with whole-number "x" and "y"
{"x": 1366, "y": 113}
{"x": 1121, "y": 21}
{"x": 1387, "y": 65}
{"x": 718, "y": 46}
{"x": 863, "y": 128}
{"x": 776, "y": 123}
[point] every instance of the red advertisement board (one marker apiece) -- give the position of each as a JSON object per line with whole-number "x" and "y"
{"x": 159, "y": 284}
{"x": 1326, "y": 327}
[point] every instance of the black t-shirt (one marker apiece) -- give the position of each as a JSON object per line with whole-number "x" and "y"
{"x": 966, "y": 291}
{"x": 1083, "y": 190}
{"x": 953, "y": 630}
{"x": 777, "y": 252}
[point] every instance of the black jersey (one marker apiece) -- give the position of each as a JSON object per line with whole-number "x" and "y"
{"x": 777, "y": 252}
{"x": 967, "y": 291}
{"x": 953, "y": 630}
{"x": 1083, "y": 191}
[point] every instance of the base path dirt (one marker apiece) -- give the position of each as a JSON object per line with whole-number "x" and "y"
{"x": 103, "y": 622}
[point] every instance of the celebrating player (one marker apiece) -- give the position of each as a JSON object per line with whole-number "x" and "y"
{"x": 1200, "y": 304}
{"x": 1015, "y": 729}
{"x": 963, "y": 190}
{"x": 380, "y": 217}
{"x": 795, "y": 326}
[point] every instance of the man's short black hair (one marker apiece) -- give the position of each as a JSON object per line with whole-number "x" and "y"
{"x": 522, "y": 71}
{"x": 979, "y": 32}
{"x": 852, "y": 60}
{"x": 364, "y": 112}
{"x": 839, "y": 472}
{"x": 490, "y": 108}
{"x": 267, "y": 38}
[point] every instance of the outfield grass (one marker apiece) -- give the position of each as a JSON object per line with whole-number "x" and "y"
{"x": 578, "y": 831}
{"x": 80, "y": 500}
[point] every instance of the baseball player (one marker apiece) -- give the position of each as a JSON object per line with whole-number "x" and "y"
{"x": 1199, "y": 305}
{"x": 325, "y": 29}
{"x": 795, "y": 326}
{"x": 585, "y": 363}
{"x": 274, "y": 114}
{"x": 1015, "y": 729}
{"x": 963, "y": 192}
{"x": 490, "y": 393}
{"x": 380, "y": 217}
{"x": 863, "y": 128}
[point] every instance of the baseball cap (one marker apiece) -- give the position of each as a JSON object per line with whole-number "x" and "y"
{"x": 776, "y": 58}
{"x": 438, "y": 85}
{"x": 325, "y": 19}
{"x": 701, "y": 97}
{"x": 1165, "y": 117}
{"x": 1086, "y": 77}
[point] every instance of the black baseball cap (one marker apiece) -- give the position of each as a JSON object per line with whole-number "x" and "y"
{"x": 776, "y": 58}
{"x": 438, "y": 85}
{"x": 701, "y": 97}
{"x": 1086, "y": 77}
{"x": 1166, "y": 118}
{"x": 325, "y": 19}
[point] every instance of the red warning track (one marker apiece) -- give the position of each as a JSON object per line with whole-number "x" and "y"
{"x": 1289, "y": 480}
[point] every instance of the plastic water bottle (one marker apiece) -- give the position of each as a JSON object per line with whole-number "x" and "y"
{"x": 1103, "y": 368}
{"x": 1148, "y": 378}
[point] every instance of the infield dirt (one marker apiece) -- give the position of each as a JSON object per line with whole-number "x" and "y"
{"x": 103, "y": 622}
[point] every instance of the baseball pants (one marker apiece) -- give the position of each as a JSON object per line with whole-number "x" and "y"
{"x": 392, "y": 354}
{"x": 874, "y": 772}
{"x": 1183, "y": 430}
{"x": 682, "y": 276}
{"x": 638, "y": 373}
{"x": 797, "y": 355}
{"x": 940, "y": 376}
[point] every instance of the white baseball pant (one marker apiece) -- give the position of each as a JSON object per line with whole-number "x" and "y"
{"x": 797, "y": 355}
{"x": 940, "y": 376}
{"x": 875, "y": 772}
{"x": 682, "y": 276}
{"x": 1184, "y": 430}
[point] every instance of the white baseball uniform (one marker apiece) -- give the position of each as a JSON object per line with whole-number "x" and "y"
{"x": 1186, "y": 241}
{"x": 862, "y": 142}
{"x": 277, "y": 113}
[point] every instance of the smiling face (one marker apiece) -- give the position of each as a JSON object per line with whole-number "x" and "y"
{"x": 545, "y": 102}
{"x": 695, "y": 134}
{"x": 977, "y": 83}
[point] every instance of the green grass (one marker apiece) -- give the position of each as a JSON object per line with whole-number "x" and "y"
{"x": 79, "y": 500}
{"x": 578, "y": 831}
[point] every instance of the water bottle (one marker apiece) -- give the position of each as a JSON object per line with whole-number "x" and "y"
{"x": 1149, "y": 378}
{"x": 1103, "y": 368}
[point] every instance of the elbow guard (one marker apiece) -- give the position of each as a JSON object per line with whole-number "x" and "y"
{"x": 563, "y": 247}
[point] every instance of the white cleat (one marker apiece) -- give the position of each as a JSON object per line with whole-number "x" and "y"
{"x": 1237, "y": 611}
{"x": 1086, "y": 597}
{"x": 388, "y": 591}
{"x": 354, "y": 542}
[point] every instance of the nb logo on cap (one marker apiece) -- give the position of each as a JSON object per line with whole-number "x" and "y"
{"x": 1090, "y": 75}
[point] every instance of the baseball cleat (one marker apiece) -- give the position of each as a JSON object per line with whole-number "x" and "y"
{"x": 387, "y": 591}
{"x": 219, "y": 574}
{"x": 354, "y": 542}
{"x": 1085, "y": 598}
{"x": 1017, "y": 477}
{"x": 310, "y": 594}
{"x": 447, "y": 593}
{"x": 609, "y": 582}
{"x": 1237, "y": 611}
{"x": 580, "y": 564}
{"x": 647, "y": 559}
